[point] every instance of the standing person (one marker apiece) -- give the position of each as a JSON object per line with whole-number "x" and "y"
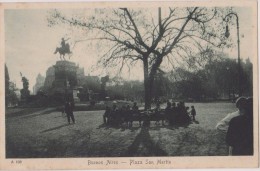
{"x": 182, "y": 113}
{"x": 224, "y": 123}
{"x": 240, "y": 132}
{"x": 173, "y": 114}
{"x": 114, "y": 113}
{"x": 168, "y": 111}
{"x": 135, "y": 107}
{"x": 122, "y": 115}
{"x": 178, "y": 113}
{"x": 129, "y": 116}
{"x": 193, "y": 113}
{"x": 106, "y": 115}
{"x": 157, "y": 112}
{"x": 69, "y": 111}
{"x": 136, "y": 113}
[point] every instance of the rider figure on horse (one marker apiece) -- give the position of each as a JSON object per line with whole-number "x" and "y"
{"x": 64, "y": 49}
{"x": 64, "y": 45}
{"x": 63, "y": 42}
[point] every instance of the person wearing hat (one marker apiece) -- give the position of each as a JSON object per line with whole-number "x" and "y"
{"x": 224, "y": 123}
{"x": 69, "y": 111}
{"x": 240, "y": 132}
{"x": 136, "y": 113}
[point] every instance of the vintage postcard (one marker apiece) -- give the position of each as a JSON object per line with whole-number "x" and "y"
{"x": 129, "y": 85}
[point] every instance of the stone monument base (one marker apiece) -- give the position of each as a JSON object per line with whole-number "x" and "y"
{"x": 65, "y": 79}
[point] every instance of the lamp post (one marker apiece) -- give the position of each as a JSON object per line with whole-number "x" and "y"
{"x": 227, "y": 34}
{"x": 228, "y": 74}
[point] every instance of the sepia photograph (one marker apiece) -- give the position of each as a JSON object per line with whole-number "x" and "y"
{"x": 129, "y": 85}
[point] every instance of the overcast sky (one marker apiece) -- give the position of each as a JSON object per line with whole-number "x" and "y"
{"x": 30, "y": 43}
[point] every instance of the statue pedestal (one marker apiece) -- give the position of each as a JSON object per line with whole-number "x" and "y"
{"x": 65, "y": 74}
{"x": 65, "y": 78}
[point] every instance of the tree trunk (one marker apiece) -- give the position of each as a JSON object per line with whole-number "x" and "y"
{"x": 147, "y": 86}
{"x": 151, "y": 84}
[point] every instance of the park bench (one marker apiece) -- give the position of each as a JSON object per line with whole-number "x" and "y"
{"x": 152, "y": 115}
{"x": 142, "y": 116}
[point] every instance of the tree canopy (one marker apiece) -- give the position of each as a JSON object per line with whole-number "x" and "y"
{"x": 154, "y": 37}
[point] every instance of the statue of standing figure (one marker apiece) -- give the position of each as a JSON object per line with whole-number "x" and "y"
{"x": 64, "y": 49}
{"x": 25, "y": 92}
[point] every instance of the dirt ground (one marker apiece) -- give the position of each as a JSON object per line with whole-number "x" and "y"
{"x": 40, "y": 133}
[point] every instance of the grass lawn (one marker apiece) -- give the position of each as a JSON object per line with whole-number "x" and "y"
{"x": 45, "y": 133}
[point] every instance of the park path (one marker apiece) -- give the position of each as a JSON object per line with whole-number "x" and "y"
{"x": 46, "y": 134}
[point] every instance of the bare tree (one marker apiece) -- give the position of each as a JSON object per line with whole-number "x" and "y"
{"x": 134, "y": 36}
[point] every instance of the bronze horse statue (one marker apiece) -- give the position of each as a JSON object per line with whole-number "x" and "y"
{"x": 63, "y": 51}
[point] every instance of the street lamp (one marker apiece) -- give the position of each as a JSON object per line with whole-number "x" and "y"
{"x": 227, "y": 34}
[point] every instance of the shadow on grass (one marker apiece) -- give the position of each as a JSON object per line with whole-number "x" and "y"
{"x": 177, "y": 126}
{"x": 57, "y": 127}
{"x": 39, "y": 114}
{"x": 144, "y": 139}
{"x": 122, "y": 127}
{"x": 107, "y": 126}
{"x": 150, "y": 124}
{"x": 143, "y": 144}
{"x": 196, "y": 122}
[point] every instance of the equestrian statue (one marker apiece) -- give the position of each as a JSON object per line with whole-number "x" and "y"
{"x": 64, "y": 49}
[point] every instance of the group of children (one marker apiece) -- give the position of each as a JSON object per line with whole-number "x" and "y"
{"x": 117, "y": 116}
{"x": 178, "y": 114}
